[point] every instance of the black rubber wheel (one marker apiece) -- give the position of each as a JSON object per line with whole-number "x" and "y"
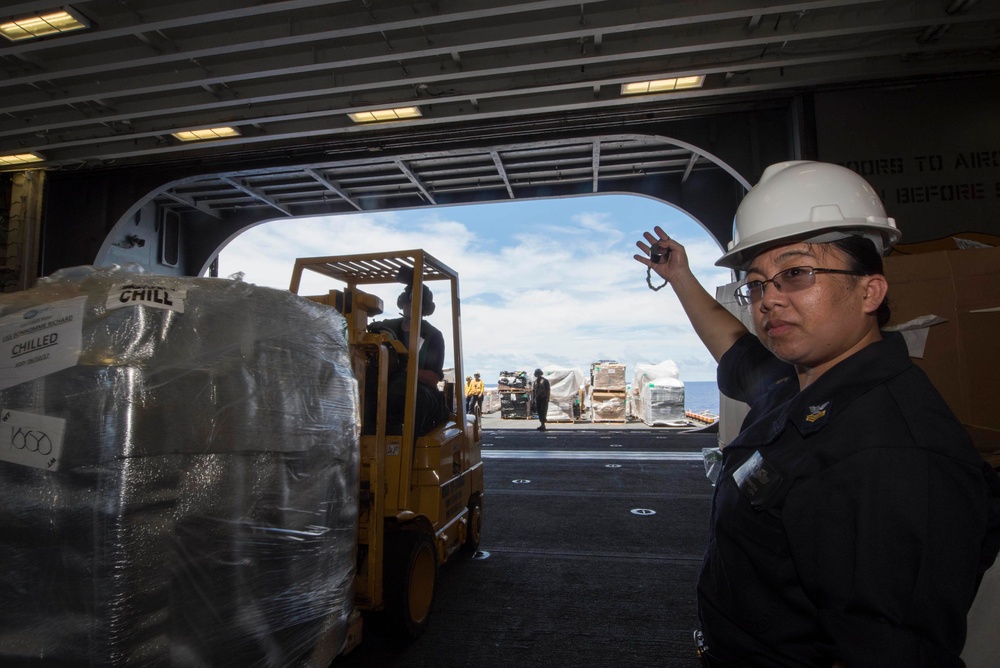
{"x": 474, "y": 528}
{"x": 409, "y": 581}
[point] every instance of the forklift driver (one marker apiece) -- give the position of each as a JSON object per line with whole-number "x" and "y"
{"x": 431, "y": 409}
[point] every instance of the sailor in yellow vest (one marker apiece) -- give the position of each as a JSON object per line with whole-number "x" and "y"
{"x": 474, "y": 392}
{"x": 468, "y": 394}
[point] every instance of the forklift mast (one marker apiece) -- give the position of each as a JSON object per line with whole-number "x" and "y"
{"x": 416, "y": 491}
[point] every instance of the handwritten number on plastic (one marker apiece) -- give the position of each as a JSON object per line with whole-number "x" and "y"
{"x": 31, "y": 440}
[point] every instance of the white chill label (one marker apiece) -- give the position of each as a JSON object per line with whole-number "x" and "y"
{"x": 147, "y": 294}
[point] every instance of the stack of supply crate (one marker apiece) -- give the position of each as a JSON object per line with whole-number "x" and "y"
{"x": 192, "y": 497}
{"x": 515, "y": 395}
{"x": 607, "y": 392}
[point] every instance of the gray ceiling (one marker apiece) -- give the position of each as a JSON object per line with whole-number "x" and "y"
{"x": 288, "y": 72}
{"x": 511, "y": 75}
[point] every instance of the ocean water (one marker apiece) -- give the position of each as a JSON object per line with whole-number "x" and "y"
{"x": 701, "y": 395}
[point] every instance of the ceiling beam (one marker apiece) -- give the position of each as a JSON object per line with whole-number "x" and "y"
{"x": 334, "y": 187}
{"x": 595, "y": 164}
{"x": 256, "y": 194}
{"x": 690, "y": 166}
{"x": 405, "y": 168}
{"x": 191, "y": 202}
{"x": 502, "y": 171}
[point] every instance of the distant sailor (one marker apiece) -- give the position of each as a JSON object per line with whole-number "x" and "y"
{"x": 540, "y": 395}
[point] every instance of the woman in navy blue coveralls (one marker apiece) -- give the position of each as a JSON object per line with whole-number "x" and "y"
{"x": 852, "y": 520}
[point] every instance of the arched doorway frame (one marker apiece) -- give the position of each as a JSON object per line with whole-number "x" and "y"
{"x": 180, "y": 226}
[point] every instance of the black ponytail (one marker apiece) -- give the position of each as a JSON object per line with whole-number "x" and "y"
{"x": 864, "y": 258}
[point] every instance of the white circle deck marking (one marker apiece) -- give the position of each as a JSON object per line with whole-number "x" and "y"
{"x": 643, "y": 511}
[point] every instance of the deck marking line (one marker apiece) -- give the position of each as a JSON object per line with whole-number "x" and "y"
{"x": 593, "y": 454}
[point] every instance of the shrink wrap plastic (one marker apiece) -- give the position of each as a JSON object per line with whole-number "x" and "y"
{"x": 198, "y": 505}
{"x": 608, "y": 405}
{"x": 564, "y": 391}
{"x": 660, "y": 393}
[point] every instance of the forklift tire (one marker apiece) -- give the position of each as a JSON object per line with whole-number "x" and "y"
{"x": 410, "y": 580}
{"x": 474, "y": 528}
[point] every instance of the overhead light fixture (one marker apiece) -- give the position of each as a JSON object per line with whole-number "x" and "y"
{"x": 42, "y": 24}
{"x": 662, "y": 85}
{"x": 19, "y": 159}
{"x": 377, "y": 115}
{"x": 207, "y": 133}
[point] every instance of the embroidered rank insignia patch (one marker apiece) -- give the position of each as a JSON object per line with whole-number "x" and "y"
{"x": 757, "y": 480}
{"x": 816, "y": 412}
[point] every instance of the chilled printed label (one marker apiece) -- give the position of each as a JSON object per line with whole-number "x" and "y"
{"x": 154, "y": 295}
{"x": 40, "y": 340}
{"x": 30, "y": 439}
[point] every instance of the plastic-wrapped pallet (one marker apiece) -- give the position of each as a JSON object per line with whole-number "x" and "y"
{"x": 178, "y": 473}
{"x": 608, "y": 406}
{"x": 564, "y": 392}
{"x": 660, "y": 393}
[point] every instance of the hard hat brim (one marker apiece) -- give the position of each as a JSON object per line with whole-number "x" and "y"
{"x": 742, "y": 254}
{"x": 803, "y": 200}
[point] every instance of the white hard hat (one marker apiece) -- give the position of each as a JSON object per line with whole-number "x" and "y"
{"x": 802, "y": 200}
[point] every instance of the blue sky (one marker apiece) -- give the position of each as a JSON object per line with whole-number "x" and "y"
{"x": 546, "y": 283}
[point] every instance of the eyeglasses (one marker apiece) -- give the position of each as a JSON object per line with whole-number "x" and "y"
{"x": 788, "y": 280}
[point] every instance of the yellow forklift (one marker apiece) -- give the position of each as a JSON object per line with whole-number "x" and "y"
{"x": 421, "y": 496}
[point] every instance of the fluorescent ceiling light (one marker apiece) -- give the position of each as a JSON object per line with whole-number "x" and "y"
{"x": 397, "y": 114}
{"x": 207, "y": 133}
{"x": 19, "y": 159}
{"x": 662, "y": 85}
{"x": 40, "y": 25}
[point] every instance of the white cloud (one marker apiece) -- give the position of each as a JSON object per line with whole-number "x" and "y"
{"x": 563, "y": 292}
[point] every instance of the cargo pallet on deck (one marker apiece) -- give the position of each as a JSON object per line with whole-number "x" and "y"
{"x": 522, "y": 412}
{"x": 604, "y": 395}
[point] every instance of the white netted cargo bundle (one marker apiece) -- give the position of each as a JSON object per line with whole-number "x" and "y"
{"x": 658, "y": 393}
{"x": 178, "y": 473}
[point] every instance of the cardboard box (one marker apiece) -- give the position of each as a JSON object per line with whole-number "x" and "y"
{"x": 962, "y": 241}
{"x": 608, "y": 376}
{"x": 962, "y": 354}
